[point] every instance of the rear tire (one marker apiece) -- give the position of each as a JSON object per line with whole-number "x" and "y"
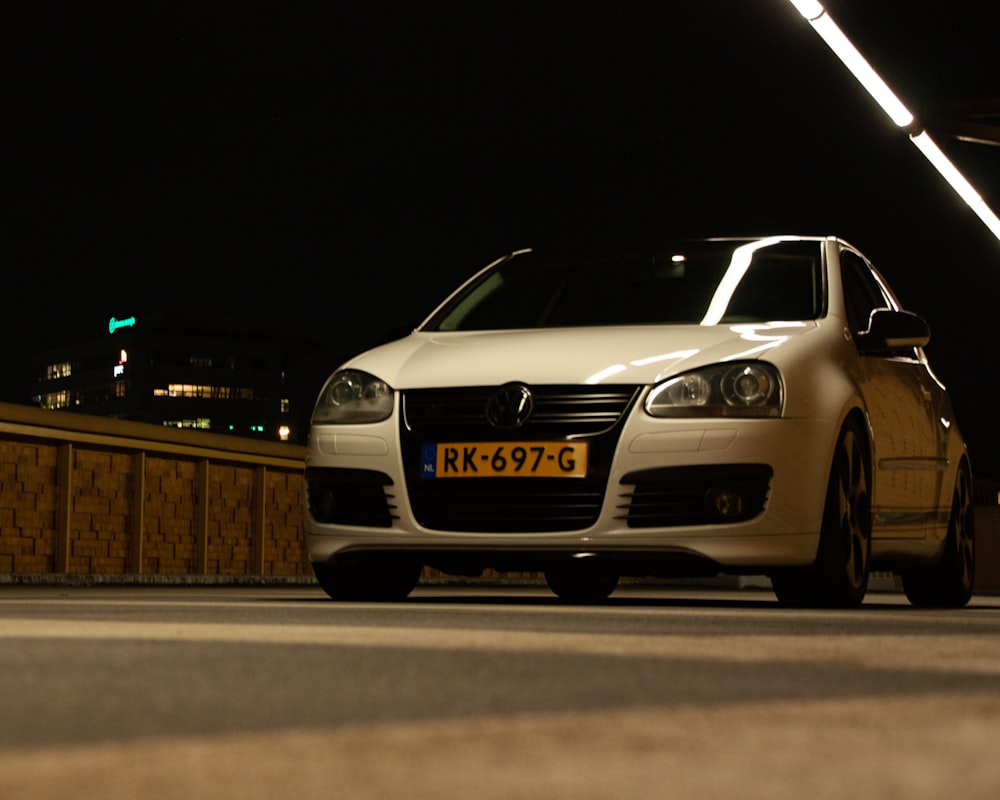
{"x": 387, "y": 578}
{"x": 582, "y": 581}
{"x": 950, "y": 582}
{"x": 839, "y": 576}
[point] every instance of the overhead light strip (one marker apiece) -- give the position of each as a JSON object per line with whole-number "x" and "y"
{"x": 880, "y": 92}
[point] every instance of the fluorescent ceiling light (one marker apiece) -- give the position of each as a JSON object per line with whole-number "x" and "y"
{"x": 957, "y": 181}
{"x": 854, "y": 61}
{"x": 948, "y": 170}
{"x": 821, "y": 22}
{"x": 810, "y": 9}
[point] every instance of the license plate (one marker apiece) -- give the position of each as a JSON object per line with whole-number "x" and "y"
{"x": 504, "y": 460}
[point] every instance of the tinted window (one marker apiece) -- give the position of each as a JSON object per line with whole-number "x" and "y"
{"x": 862, "y": 293}
{"x": 690, "y": 283}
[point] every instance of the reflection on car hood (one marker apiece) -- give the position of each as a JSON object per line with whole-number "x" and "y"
{"x": 633, "y": 355}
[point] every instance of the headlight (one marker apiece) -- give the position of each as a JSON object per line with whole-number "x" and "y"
{"x": 745, "y": 389}
{"x": 352, "y": 396}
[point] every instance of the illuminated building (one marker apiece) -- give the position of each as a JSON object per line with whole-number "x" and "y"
{"x": 183, "y": 371}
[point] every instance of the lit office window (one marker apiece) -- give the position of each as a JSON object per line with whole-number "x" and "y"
{"x": 56, "y": 400}
{"x": 63, "y": 370}
{"x": 203, "y": 392}
{"x": 201, "y": 423}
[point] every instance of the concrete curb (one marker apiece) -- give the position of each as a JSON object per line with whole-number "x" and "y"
{"x": 877, "y": 583}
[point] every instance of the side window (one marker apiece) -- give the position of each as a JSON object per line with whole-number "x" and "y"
{"x": 862, "y": 293}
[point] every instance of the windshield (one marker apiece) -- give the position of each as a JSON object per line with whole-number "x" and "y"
{"x": 694, "y": 283}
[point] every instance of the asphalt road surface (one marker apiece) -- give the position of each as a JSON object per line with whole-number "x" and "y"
{"x": 492, "y": 692}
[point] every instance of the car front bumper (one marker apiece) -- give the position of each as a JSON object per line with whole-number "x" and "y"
{"x": 784, "y": 533}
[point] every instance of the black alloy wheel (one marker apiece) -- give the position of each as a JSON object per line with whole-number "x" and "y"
{"x": 949, "y": 583}
{"x": 839, "y": 576}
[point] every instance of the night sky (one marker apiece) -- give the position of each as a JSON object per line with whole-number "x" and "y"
{"x": 340, "y": 167}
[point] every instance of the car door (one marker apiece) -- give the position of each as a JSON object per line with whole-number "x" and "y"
{"x": 901, "y": 396}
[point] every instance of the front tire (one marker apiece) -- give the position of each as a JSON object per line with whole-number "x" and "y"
{"x": 949, "y": 583}
{"x": 839, "y": 576}
{"x": 368, "y": 578}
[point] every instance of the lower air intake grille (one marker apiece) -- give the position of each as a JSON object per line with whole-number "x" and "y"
{"x": 350, "y": 497}
{"x": 491, "y": 505}
{"x": 703, "y": 495}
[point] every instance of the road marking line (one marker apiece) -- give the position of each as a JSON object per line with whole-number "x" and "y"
{"x": 981, "y": 654}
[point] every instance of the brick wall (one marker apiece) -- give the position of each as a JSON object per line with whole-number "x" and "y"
{"x": 27, "y": 507}
{"x": 92, "y": 496}
{"x": 169, "y": 516}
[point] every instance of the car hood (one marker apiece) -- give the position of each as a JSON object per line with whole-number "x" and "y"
{"x": 633, "y": 355}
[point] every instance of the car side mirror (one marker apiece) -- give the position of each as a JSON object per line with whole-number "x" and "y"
{"x": 888, "y": 329}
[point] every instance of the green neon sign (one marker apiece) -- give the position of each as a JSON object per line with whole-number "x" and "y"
{"x": 115, "y": 324}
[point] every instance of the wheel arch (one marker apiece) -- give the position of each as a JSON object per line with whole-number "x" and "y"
{"x": 855, "y": 412}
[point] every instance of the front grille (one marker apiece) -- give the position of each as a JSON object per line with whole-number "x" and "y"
{"x": 486, "y": 505}
{"x": 350, "y": 497}
{"x": 701, "y": 495}
{"x": 560, "y": 411}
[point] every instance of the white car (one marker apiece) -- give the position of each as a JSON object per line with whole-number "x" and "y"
{"x": 741, "y": 406}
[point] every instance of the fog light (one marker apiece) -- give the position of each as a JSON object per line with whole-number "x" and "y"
{"x": 324, "y": 505}
{"x": 726, "y": 504}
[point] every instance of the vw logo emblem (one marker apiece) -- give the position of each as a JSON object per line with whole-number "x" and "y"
{"x": 510, "y": 407}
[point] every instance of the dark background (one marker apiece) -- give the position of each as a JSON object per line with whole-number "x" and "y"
{"x": 338, "y": 168}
